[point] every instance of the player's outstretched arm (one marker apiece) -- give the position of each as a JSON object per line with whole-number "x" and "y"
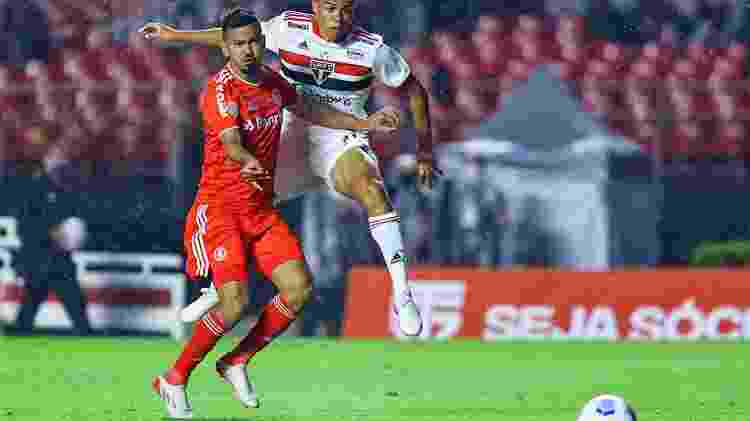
{"x": 211, "y": 37}
{"x": 419, "y": 106}
{"x": 384, "y": 120}
{"x": 252, "y": 171}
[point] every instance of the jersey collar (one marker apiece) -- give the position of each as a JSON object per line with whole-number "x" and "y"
{"x": 241, "y": 79}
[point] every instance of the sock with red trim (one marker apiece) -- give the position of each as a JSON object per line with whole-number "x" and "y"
{"x": 207, "y": 333}
{"x": 274, "y": 320}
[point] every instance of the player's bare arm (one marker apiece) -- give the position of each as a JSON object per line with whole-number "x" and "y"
{"x": 252, "y": 171}
{"x": 211, "y": 37}
{"x": 384, "y": 120}
{"x": 419, "y": 106}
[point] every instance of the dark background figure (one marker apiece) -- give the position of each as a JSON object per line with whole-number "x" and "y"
{"x": 50, "y": 230}
{"x": 17, "y": 44}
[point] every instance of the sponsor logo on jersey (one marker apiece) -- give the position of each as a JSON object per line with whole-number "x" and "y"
{"x": 225, "y": 108}
{"x": 262, "y": 122}
{"x": 355, "y": 54}
{"x": 321, "y": 70}
{"x": 298, "y": 26}
{"x": 331, "y": 99}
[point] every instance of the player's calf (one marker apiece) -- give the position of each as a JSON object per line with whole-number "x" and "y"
{"x": 385, "y": 228}
{"x": 233, "y": 302}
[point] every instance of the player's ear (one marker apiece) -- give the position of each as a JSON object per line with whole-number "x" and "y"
{"x": 316, "y": 6}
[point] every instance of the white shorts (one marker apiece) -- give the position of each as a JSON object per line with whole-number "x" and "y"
{"x": 308, "y": 155}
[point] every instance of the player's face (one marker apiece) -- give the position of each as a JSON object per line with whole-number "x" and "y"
{"x": 334, "y": 17}
{"x": 244, "y": 47}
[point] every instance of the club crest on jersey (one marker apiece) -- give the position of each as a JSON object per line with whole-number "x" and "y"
{"x": 220, "y": 254}
{"x": 321, "y": 70}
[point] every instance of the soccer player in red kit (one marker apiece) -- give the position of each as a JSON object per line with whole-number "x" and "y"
{"x": 233, "y": 214}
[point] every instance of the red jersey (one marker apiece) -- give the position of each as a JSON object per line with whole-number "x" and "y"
{"x": 230, "y": 103}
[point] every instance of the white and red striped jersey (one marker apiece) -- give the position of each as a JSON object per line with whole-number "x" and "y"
{"x": 338, "y": 74}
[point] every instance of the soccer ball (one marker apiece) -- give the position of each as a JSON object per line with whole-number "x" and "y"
{"x": 607, "y": 408}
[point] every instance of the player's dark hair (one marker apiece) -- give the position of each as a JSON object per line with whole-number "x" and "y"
{"x": 236, "y": 18}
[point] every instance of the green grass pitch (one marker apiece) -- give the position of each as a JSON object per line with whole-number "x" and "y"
{"x": 320, "y": 380}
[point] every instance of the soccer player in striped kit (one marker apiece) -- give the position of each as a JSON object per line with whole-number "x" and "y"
{"x": 331, "y": 60}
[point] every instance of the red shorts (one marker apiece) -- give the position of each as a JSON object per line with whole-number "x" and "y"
{"x": 219, "y": 244}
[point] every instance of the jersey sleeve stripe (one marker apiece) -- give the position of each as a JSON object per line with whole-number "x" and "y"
{"x": 294, "y": 58}
{"x": 352, "y": 69}
{"x": 296, "y": 19}
{"x": 293, "y": 15}
{"x": 366, "y": 35}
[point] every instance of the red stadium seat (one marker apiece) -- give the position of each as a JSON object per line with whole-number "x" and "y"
{"x": 726, "y": 106}
{"x": 650, "y": 138}
{"x": 737, "y": 52}
{"x": 687, "y": 140}
{"x": 531, "y": 50}
{"x": 518, "y": 70}
{"x": 660, "y": 55}
{"x": 472, "y": 104}
{"x": 642, "y": 107}
{"x": 422, "y": 55}
{"x": 730, "y": 140}
{"x": 572, "y": 53}
{"x": 689, "y": 106}
{"x": 570, "y": 30}
{"x": 491, "y": 52}
{"x": 597, "y": 102}
{"x": 490, "y": 24}
{"x": 699, "y": 53}
{"x": 565, "y": 70}
{"x": 611, "y": 52}
{"x": 529, "y": 24}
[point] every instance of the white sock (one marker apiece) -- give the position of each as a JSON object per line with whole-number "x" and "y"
{"x": 386, "y": 231}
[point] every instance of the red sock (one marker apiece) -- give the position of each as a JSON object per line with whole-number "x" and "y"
{"x": 273, "y": 321}
{"x": 207, "y": 333}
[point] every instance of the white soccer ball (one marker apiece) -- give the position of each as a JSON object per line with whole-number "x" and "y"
{"x": 607, "y": 408}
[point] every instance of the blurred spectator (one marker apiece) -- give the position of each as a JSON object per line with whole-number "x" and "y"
{"x": 24, "y": 31}
{"x": 50, "y": 230}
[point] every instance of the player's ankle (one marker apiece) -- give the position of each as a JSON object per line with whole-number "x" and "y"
{"x": 175, "y": 377}
{"x": 230, "y": 359}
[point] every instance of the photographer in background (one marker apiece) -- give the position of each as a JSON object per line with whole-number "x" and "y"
{"x": 50, "y": 231}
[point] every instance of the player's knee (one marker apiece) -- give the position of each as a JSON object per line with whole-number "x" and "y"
{"x": 371, "y": 194}
{"x": 298, "y": 292}
{"x": 233, "y": 308}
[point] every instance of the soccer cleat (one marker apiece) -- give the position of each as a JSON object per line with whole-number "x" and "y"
{"x": 202, "y": 305}
{"x": 242, "y": 389}
{"x": 174, "y": 396}
{"x": 409, "y": 319}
